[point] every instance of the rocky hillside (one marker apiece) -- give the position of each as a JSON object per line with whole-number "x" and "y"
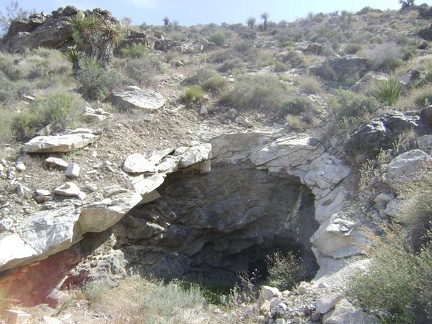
{"x": 200, "y": 155}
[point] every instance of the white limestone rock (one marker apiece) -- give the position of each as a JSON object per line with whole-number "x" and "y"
{"x": 292, "y": 154}
{"x": 136, "y": 98}
{"x": 68, "y": 189}
{"x": 39, "y": 236}
{"x": 73, "y": 170}
{"x": 325, "y": 172}
{"x": 99, "y": 216}
{"x": 327, "y": 302}
{"x": 407, "y": 167}
{"x": 61, "y": 143}
{"x": 138, "y": 163}
{"x": 337, "y": 237}
{"x": 196, "y": 154}
{"x": 56, "y": 163}
{"x": 345, "y": 312}
{"x": 267, "y": 292}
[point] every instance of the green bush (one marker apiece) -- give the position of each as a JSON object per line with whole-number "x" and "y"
{"x": 221, "y": 56}
{"x": 58, "y": 109}
{"x": 232, "y": 65}
{"x": 193, "y": 94}
{"x": 142, "y": 71}
{"x": 12, "y": 90}
{"x": 200, "y": 76}
{"x": 388, "y": 91}
{"x": 97, "y": 83}
{"x": 218, "y": 38}
{"x": 280, "y": 67}
{"x": 134, "y": 51}
{"x": 294, "y": 122}
{"x": 309, "y": 84}
{"x": 262, "y": 93}
{"x": 298, "y": 105}
{"x": 396, "y": 285}
{"x": 416, "y": 99}
{"x": 347, "y": 104}
{"x": 95, "y": 290}
{"x": 284, "y": 270}
{"x": 216, "y": 84}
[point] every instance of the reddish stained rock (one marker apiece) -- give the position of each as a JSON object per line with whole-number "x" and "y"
{"x": 31, "y": 284}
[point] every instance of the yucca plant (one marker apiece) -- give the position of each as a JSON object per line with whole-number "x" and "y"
{"x": 388, "y": 91}
{"x": 97, "y": 37}
{"x": 74, "y": 56}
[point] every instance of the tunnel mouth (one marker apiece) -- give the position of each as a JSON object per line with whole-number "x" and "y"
{"x": 209, "y": 228}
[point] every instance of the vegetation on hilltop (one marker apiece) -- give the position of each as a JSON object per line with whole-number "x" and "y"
{"x": 261, "y": 72}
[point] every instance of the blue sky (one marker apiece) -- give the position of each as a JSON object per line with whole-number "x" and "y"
{"x": 193, "y": 12}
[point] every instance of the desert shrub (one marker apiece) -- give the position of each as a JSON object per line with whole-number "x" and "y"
{"x": 347, "y": 104}
{"x": 284, "y": 270}
{"x": 142, "y": 70}
{"x": 294, "y": 122}
{"x": 12, "y": 90}
{"x": 134, "y": 51}
{"x": 153, "y": 302}
{"x": 416, "y": 99}
{"x": 94, "y": 290}
{"x": 388, "y": 91}
{"x": 352, "y": 48}
{"x": 97, "y": 83}
{"x": 280, "y": 67}
{"x": 221, "y": 56}
{"x": 295, "y": 58}
{"x": 386, "y": 57}
{"x": 58, "y": 109}
{"x": 193, "y": 94}
{"x": 244, "y": 46}
{"x": 216, "y": 84}
{"x": 218, "y": 37}
{"x": 416, "y": 211}
{"x": 263, "y": 93}
{"x": 232, "y": 65}
{"x": 309, "y": 84}
{"x": 298, "y": 105}
{"x": 200, "y": 76}
{"x": 44, "y": 63}
{"x": 392, "y": 287}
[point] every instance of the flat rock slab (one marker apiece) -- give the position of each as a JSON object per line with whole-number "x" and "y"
{"x": 61, "y": 144}
{"x": 136, "y": 98}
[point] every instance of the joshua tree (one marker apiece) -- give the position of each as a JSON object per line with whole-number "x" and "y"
{"x": 406, "y": 3}
{"x": 265, "y": 16}
{"x": 251, "y": 22}
{"x": 97, "y": 37}
{"x": 166, "y": 21}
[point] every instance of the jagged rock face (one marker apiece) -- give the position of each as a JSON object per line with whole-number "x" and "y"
{"x": 340, "y": 71}
{"x": 54, "y": 31}
{"x": 226, "y": 220}
{"x": 39, "y": 30}
{"x": 380, "y": 133}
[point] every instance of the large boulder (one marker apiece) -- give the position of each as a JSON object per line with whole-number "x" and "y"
{"x": 338, "y": 237}
{"x": 135, "y": 98}
{"x": 61, "y": 144}
{"x": 407, "y": 167}
{"x": 39, "y": 30}
{"x": 340, "y": 71}
{"x": 40, "y": 235}
{"x": 379, "y": 134}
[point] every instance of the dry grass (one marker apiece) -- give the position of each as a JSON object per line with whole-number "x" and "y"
{"x": 138, "y": 300}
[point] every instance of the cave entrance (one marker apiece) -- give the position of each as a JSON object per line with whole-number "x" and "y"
{"x": 213, "y": 226}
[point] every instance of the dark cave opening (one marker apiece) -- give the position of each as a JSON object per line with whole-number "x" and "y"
{"x": 211, "y": 227}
